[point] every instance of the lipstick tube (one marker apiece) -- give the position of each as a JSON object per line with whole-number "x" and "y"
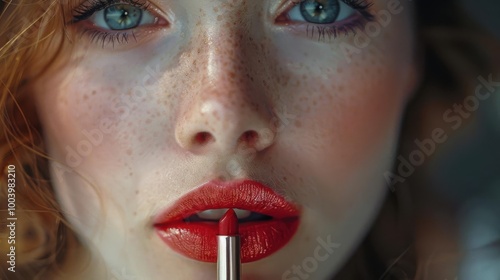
{"x": 228, "y": 248}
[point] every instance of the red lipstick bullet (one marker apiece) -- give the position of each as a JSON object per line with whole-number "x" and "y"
{"x": 228, "y": 247}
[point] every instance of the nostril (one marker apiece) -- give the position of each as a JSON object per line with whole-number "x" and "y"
{"x": 250, "y": 137}
{"x": 202, "y": 138}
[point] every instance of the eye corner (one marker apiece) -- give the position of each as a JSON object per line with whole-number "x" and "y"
{"x": 282, "y": 19}
{"x": 161, "y": 18}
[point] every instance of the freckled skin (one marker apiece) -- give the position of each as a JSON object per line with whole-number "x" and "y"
{"x": 147, "y": 123}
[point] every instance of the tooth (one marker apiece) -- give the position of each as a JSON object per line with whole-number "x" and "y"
{"x": 212, "y": 214}
{"x": 241, "y": 214}
{"x": 216, "y": 214}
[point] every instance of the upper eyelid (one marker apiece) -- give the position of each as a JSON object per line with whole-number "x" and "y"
{"x": 78, "y": 11}
{"x": 285, "y": 6}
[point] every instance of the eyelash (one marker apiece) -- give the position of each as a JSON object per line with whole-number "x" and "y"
{"x": 333, "y": 30}
{"x": 90, "y": 7}
{"x": 87, "y": 9}
{"x": 103, "y": 37}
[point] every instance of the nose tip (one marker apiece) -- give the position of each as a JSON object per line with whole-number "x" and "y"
{"x": 216, "y": 126}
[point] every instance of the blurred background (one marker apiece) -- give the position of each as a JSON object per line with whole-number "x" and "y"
{"x": 486, "y": 12}
{"x": 468, "y": 174}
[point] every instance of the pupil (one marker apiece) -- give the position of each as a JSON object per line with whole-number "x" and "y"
{"x": 319, "y": 9}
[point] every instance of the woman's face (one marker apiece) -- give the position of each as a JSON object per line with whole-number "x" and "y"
{"x": 191, "y": 92}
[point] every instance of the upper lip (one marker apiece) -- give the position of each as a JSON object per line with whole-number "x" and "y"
{"x": 243, "y": 194}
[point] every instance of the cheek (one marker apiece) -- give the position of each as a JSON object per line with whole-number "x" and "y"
{"x": 346, "y": 122}
{"x": 94, "y": 120}
{"x": 71, "y": 111}
{"x": 90, "y": 127}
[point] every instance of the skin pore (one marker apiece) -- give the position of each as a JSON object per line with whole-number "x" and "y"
{"x": 132, "y": 126}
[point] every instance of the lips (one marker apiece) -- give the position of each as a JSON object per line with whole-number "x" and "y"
{"x": 275, "y": 224}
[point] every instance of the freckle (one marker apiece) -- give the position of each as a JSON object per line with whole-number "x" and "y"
{"x": 85, "y": 97}
{"x": 148, "y": 121}
{"x": 219, "y": 17}
{"x": 298, "y": 123}
{"x": 137, "y": 192}
{"x": 341, "y": 88}
{"x": 129, "y": 152}
{"x": 131, "y": 174}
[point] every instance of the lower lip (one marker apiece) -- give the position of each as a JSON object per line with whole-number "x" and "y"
{"x": 198, "y": 240}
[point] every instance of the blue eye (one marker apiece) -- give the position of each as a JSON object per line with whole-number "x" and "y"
{"x": 122, "y": 17}
{"x": 113, "y": 22}
{"x": 321, "y": 11}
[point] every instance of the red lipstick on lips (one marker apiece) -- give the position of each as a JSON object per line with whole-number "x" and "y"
{"x": 272, "y": 223}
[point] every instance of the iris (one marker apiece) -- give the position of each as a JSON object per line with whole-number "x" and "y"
{"x": 122, "y": 16}
{"x": 320, "y": 11}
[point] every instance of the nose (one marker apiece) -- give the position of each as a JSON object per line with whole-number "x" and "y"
{"x": 227, "y": 109}
{"x": 216, "y": 125}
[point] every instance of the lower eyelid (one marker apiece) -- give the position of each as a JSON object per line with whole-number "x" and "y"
{"x": 326, "y": 32}
{"x": 117, "y": 38}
